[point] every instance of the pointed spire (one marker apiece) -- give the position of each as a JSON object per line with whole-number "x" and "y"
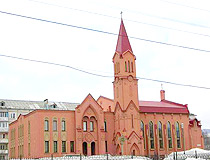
{"x": 123, "y": 43}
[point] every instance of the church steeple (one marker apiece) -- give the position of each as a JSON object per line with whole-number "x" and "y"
{"x": 123, "y": 43}
{"x": 124, "y": 59}
{"x": 125, "y": 83}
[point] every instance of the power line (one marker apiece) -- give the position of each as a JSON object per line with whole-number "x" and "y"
{"x": 56, "y": 64}
{"x": 99, "y": 14}
{"x": 106, "y": 32}
{"x": 100, "y": 75}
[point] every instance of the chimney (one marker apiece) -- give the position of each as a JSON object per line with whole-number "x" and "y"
{"x": 162, "y": 95}
{"x": 46, "y": 104}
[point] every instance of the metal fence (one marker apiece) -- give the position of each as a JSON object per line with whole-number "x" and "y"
{"x": 95, "y": 157}
{"x": 178, "y": 156}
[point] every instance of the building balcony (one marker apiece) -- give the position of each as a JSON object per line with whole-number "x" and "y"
{"x": 4, "y": 119}
{"x": 4, "y": 140}
{"x": 5, "y": 129}
{"x": 3, "y": 151}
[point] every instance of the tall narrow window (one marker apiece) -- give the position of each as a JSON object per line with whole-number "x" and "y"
{"x": 118, "y": 121}
{"x": 129, "y": 66}
{"x": 46, "y": 147}
{"x": 46, "y": 125}
{"x": 106, "y": 146}
{"x": 71, "y": 146}
{"x": 54, "y": 125}
{"x": 29, "y": 127}
{"x": 132, "y": 67}
{"x": 169, "y": 135}
{"x": 125, "y": 67}
{"x": 105, "y": 129}
{"x": 160, "y": 134}
{"x": 63, "y": 146}
{"x": 63, "y": 125}
{"x": 85, "y": 126}
{"x": 178, "y": 135}
{"x": 132, "y": 120}
{"x": 143, "y": 134}
{"x": 29, "y": 149}
{"x": 55, "y": 146}
{"x": 91, "y": 126}
{"x": 151, "y": 135}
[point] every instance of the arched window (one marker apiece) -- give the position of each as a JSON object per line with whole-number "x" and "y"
{"x": 129, "y": 66}
{"x": 169, "y": 135}
{"x": 142, "y": 129}
{"x": 132, "y": 67}
{"x": 46, "y": 125}
{"x": 151, "y": 135}
{"x": 178, "y": 135}
{"x": 160, "y": 134}
{"x": 125, "y": 67}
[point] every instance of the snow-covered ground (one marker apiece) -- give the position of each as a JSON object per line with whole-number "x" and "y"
{"x": 192, "y": 154}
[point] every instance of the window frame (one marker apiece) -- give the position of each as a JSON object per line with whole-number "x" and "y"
{"x": 55, "y": 125}
{"x": 63, "y": 125}
{"x": 85, "y": 126}
{"x": 46, "y": 147}
{"x": 91, "y": 126}
{"x": 46, "y": 125}
{"x": 63, "y": 147}
{"x": 151, "y": 135}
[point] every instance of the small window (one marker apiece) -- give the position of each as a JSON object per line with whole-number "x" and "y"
{"x": 91, "y": 126}
{"x": 125, "y": 67}
{"x": 63, "y": 124}
{"x": 54, "y": 125}
{"x": 106, "y": 146}
{"x": 132, "y": 67}
{"x": 72, "y": 146}
{"x": 129, "y": 66}
{"x": 47, "y": 147}
{"x": 63, "y": 146}
{"x": 132, "y": 120}
{"x": 55, "y": 146}
{"x": 46, "y": 125}
{"x": 85, "y": 126}
{"x": 105, "y": 129}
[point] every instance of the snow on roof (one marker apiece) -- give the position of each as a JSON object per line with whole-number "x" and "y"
{"x": 31, "y": 105}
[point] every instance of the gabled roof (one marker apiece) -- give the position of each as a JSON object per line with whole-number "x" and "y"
{"x": 162, "y": 107}
{"x": 123, "y": 43}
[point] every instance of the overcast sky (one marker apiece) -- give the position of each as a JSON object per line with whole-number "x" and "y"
{"x": 93, "y": 51}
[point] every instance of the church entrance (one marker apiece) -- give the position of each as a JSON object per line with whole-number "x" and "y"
{"x": 84, "y": 148}
{"x": 93, "y": 148}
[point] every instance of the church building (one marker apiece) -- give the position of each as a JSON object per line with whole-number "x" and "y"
{"x": 120, "y": 126}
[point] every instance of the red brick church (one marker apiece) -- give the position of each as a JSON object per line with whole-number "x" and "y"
{"x": 123, "y": 125}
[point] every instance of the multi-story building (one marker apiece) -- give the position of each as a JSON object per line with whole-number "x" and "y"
{"x": 123, "y": 125}
{"x": 11, "y": 109}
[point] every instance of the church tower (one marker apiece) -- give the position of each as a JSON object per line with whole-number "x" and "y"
{"x": 125, "y": 82}
{"x": 127, "y": 116}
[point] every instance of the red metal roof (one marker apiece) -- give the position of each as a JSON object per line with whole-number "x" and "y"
{"x": 123, "y": 43}
{"x": 162, "y": 107}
